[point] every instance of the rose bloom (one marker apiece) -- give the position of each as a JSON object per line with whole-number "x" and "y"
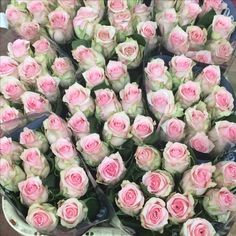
{"x": 92, "y": 149}
{"x": 98, "y": 6}
{"x": 116, "y": 129}
{"x": 29, "y": 30}
{"x": 177, "y": 41}
{"x": 160, "y": 5}
{"x": 176, "y": 157}
{"x": 106, "y": 103}
{"x": 197, "y": 36}
{"x": 159, "y": 183}
{"x": 141, "y": 13}
{"x": 111, "y": 169}
{"x": 131, "y": 99}
{"x": 130, "y": 199}
{"x": 225, "y": 174}
{"x": 117, "y": 75}
{"x": 148, "y": 30}
{"x": 147, "y": 158}
{"x": 15, "y": 16}
{"x": 70, "y": 6}
{"x": 74, "y": 182}
{"x": 117, "y": 5}
{"x": 180, "y": 207}
{"x": 42, "y": 217}
{"x": 197, "y": 226}
{"x": 217, "y": 5}
{"x": 78, "y": 98}
{"x": 219, "y": 203}
{"x": 198, "y": 179}
{"x": 12, "y": 88}
{"x": 79, "y": 125}
{"x": 32, "y": 191}
{"x": 173, "y": 129}
{"x": 35, "y": 163}
{"x": 71, "y": 212}
{"x": 8, "y": 66}
{"x": 129, "y": 53}
{"x": 154, "y": 215}
{"x": 203, "y": 56}
{"x": 29, "y": 70}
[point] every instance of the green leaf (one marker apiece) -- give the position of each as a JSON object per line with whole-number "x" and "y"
{"x": 139, "y": 38}
{"x": 207, "y": 19}
{"x": 231, "y": 118}
{"x": 93, "y": 207}
{"x": 193, "y": 156}
{"x": 76, "y": 43}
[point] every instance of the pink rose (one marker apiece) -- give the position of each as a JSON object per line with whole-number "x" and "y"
{"x": 131, "y": 99}
{"x": 5, "y": 168}
{"x": 147, "y": 158}
{"x": 15, "y": 16}
{"x": 173, "y": 129}
{"x": 74, "y": 182}
{"x": 98, "y": 6}
{"x": 19, "y": 49}
{"x": 8, "y": 66}
{"x": 92, "y": 149}
{"x": 78, "y": 99}
{"x": 198, "y": 179}
{"x": 116, "y": 129}
{"x": 197, "y": 36}
{"x": 29, "y": 30}
{"x": 196, "y": 227}
{"x": 32, "y": 191}
{"x": 148, "y": 30}
{"x": 35, "y": 163}
{"x": 111, "y": 169}
{"x": 42, "y": 46}
{"x": 42, "y": 217}
{"x": 117, "y": 5}
{"x": 154, "y": 215}
{"x": 180, "y": 207}
{"x": 159, "y": 183}
{"x": 79, "y": 125}
{"x": 29, "y": 70}
{"x": 130, "y": 199}
{"x": 106, "y": 103}
{"x": 161, "y": 5}
{"x": 70, "y": 6}
{"x": 72, "y": 212}
{"x": 217, "y": 5}
{"x": 141, "y": 13}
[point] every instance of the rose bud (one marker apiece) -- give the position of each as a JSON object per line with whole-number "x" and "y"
{"x": 79, "y": 125}
{"x": 104, "y": 40}
{"x": 197, "y": 226}
{"x": 198, "y": 179}
{"x": 131, "y": 99}
{"x": 117, "y": 75}
{"x": 11, "y": 175}
{"x": 166, "y": 19}
{"x": 71, "y": 212}
{"x": 130, "y": 199}
{"x": 92, "y": 149}
{"x": 220, "y": 103}
{"x": 34, "y": 103}
{"x": 32, "y": 191}
{"x": 148, "y": 30}
{"x": 142, "y": 128}
{"x": 64, "y": 70}
{"x": 203, "y": 56}
{"x": 69, "y": 6}
{"x": 154, "y": 215}
{"x": 8, "y": 67}
{"x": 222, "y": 27}
{"x": 65, "y": 153}
{"x": 219, "y": 203}
{"x": 188, "y": 93}
{"x": 74, "y": 182}
{"x": 12, "y": 88}
{"x": 10, "y": 150}
{"x": 55, "y": 128}
{"x": 147, "y": 158}
{"x": 217, "y": 5}
{"x": 42, "y": 217}
{"x": 107, "y": 104}
{"x": 180, "y": 207}
{"x": 225, "y": 174}
{"x": 98, "y": 6}
{"x": 115, "y": 6}
{"x": 157, "y": 76}
{"x": 85, "y": 22}
{"x": 159, "y": 183}
{"x": 111, "y": 169}
{"x": 221, "y": 51}
{"x": 35, "y": 163}
{"x": 176, "y": 158}
{"x": 33, "y": 139}
{"x": 130, "y": 53}
{"x": 160, "y": 5}
{"x": 141, "y": 13}
{"x": 116, "y": 129}
{"x": 88, "y": 57}
{"x": 19, "y": 49}
{"x": 29, "y": 70}
{"x": 177, "y": 41}
{"x": 173, "y": 130}
{"x": 60, "y": 26}
{"x": 29, "y": 30}
{"x": 197, "y": 37}
{"x": 78, "y": 98}
{"x": 15, "y": 16}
